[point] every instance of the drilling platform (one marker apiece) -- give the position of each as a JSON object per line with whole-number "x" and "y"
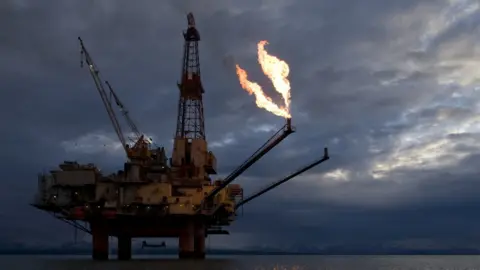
{"x": 155, "y": 196}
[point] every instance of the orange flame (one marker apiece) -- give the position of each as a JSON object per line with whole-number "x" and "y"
{"x": 277, "y": 71}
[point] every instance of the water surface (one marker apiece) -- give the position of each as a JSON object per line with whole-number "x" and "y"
{"x": 244, "y": 263}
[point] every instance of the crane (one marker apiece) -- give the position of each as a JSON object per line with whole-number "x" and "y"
{"x": 103, "y": 94}
{"x": 141, "y": 147}
{"x": 140, "y": 150}
{"x": 124, "y": 111}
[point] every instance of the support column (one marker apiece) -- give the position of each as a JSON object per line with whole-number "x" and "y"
{"x": 199, "y": 241}
{"x": 186, "y": 241}
{"x": 124, "y": 251}
{"x": 99, "y": 241}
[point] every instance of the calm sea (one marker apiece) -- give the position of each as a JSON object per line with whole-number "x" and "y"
{"x": 245, "y": 262}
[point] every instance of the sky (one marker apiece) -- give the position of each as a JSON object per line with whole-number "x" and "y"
{"x": 390, "y": 87}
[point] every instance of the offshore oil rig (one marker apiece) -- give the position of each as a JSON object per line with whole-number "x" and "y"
{"x": 154, "y": 196}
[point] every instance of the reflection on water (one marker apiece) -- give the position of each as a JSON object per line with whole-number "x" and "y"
{"x": 245, "y": 263}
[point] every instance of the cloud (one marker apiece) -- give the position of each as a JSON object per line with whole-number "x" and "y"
{"x": 93, "y": 144}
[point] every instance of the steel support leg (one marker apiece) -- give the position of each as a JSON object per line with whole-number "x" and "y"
{"x": 199, "y": 241}
{"x": 186, "y": 242}
{"x": 124, "y": 248}
{"x": 99, "y": 241}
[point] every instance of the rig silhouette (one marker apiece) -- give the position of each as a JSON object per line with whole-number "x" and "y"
{"x": 154, "y": 196}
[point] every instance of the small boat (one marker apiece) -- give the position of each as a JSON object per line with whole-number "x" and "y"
{"x": 145, "y": 245}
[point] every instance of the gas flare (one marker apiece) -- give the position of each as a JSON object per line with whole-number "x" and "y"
{"x": 277, "y": 71}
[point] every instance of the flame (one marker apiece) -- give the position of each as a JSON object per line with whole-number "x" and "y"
{"x": 277, "y": 71}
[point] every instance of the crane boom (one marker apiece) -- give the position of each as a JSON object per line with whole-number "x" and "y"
{"x": 124, "y": 111}
{"x": 103, "y": 94}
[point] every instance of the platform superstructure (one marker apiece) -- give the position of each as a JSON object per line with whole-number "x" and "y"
{"x": 154, "y": 196}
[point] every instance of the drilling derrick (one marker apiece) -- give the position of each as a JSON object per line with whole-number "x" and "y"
{"x": 190, "y": 122}
{"x": 190, "y": 159}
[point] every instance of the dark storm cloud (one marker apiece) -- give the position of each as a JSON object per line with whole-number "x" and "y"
{"x": 360, "y": 85}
